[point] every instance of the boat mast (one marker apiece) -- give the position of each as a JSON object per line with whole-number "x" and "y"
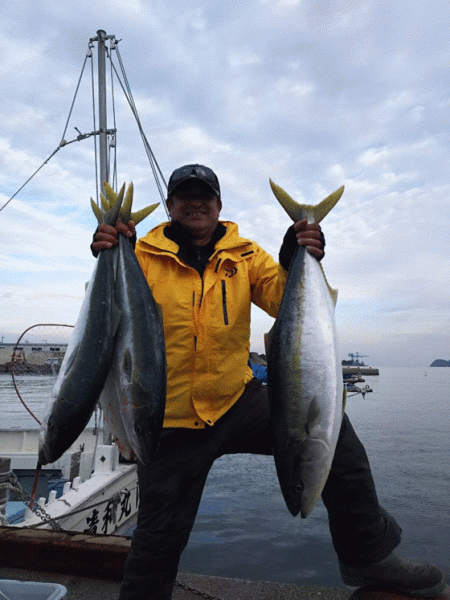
{"x": 103, "y": 131}
{"x": 103, "y": 146}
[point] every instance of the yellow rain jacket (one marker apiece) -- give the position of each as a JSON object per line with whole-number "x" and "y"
{"x": 207, "y": 320}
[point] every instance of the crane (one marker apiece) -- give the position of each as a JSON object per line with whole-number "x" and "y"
{"x": 356, "y": 356}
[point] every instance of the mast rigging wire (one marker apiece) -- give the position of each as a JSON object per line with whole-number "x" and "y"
{"x": 157, "y": 173}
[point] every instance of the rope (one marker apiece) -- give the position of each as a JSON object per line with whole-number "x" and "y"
{"x": 61, "y": 144}
{"x": 88, "y": 55}
{"x": 5, "y": 486}
{"x": 30, "y": 178}
{"x": 14, "y": 362}
{"x": 157, "y": 173}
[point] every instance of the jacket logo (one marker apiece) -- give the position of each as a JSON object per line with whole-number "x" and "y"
{"x": 230, "y": 272}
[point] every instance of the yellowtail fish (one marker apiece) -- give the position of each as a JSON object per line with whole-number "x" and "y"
{"x": 305, "y": 383}
{"x": 87, "y": 360}
{"x": 134, "y": 395}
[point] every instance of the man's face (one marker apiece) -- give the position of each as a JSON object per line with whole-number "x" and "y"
{"x": 195, "y": 206}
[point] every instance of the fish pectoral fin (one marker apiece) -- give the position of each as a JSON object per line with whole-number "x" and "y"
{"x": 268, "y": 341}
{"x": 333, "y": 291}
{"x": 127, "y": 364}
{"x": 313, "y": 416}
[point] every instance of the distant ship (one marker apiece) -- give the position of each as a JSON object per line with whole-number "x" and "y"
{"x": 356, "y": 366}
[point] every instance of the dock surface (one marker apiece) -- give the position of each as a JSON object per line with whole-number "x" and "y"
{"x": 206, "y": 587}
{"x": 91, "y": 567}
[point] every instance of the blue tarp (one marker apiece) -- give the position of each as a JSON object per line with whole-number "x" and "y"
{"x": 259, "y": 371}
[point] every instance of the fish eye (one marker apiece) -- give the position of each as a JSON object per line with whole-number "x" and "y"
{"x": 299, "y": 487}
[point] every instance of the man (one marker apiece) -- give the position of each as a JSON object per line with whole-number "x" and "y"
{"x": 205, "y": 276}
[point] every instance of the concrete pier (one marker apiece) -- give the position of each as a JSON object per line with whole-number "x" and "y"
{"x": 91, "y": 566}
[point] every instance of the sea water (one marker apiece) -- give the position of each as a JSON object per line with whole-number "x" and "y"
{"x": 243, "y": 528}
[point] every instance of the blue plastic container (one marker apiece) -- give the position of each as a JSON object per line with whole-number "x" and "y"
{"x": 31, "y": 590}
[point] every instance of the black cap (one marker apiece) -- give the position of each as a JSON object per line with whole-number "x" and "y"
{"x": 193, "y": 172}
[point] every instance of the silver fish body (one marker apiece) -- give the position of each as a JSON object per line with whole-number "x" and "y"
{"x": 84, "y": 368}
{"x": 135, "y": 392}
{"x": 86, "y": 363}
{"x": 305, "y": 383}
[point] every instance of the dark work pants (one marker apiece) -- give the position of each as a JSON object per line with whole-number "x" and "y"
{"x": 171, "y": 487}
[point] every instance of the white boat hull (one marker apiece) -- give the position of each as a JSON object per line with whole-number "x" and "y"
{"x": 100, "y": 498}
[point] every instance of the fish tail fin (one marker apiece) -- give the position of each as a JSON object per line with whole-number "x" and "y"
{"x": 313, "y": 213}
{"x": 105, "y": 203}
{"x": 97, "y": 211}
{"x": 140, "y": 215}
{"x": 111, "y": 204}
{"x": 115, "y": 203}
{"x": 125, "y": 210}
{"x": 118, "y": 206}
{"x": 111, "y": 195}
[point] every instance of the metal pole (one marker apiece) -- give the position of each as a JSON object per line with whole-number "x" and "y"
{"x": 103, "y": 137}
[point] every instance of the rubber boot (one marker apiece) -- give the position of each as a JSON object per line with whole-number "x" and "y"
{"x": 413, "y": 579}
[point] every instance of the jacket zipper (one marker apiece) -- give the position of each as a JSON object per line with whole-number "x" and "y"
{"x": 224, "y": 302}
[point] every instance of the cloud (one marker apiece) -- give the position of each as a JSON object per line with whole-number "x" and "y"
{"x": 311, "y": 95}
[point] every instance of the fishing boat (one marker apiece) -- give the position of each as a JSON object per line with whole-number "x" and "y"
{"x": 91, "y": 488}
{"x": 353, "y": 390}
{"x": 351, "y": 378}
{"x": 88, "y": 490}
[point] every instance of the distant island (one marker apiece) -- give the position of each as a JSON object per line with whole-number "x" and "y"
{"x": 440, "y": 362}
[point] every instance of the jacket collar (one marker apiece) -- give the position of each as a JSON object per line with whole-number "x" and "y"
{"x": 156, "y": 240}
{"x": 177, "y": 234}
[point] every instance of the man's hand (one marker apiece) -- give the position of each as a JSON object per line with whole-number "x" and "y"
{"x": 107, "y": 236}
{"x": 311, "y": 237}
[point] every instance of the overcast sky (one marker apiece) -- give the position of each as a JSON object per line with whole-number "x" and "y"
{"x": 311, "y": 94}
